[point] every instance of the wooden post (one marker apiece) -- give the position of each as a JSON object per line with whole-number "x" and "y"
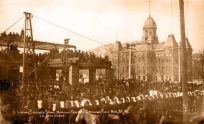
{"x": 118, "y": 63}
{"x": 24, "y": 39}
{"x": 183, "y": 62}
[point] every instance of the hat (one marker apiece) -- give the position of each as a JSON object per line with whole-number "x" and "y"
{"x": 76, "y": 102}
{"x": 133, "y": 99}
{"x": 97, "y": 102}
{"x": 123, "y": 99}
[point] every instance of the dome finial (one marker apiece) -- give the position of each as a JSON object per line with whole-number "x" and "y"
{"x": 149, "y": 23}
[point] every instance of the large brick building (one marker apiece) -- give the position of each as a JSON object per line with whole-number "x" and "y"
{"x": 150, "y": 59}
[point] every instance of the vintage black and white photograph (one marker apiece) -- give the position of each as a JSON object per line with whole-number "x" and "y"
{"x": 101, "y": 62}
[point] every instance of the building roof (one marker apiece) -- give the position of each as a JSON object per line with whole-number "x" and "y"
{"x": 188, "y": 44}
{"x": 159, "y": 46}
{"x": 149, "y": 23}
{"x": 171, "y": 42}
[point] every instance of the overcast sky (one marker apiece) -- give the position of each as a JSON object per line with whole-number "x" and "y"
{"x": 104, "y": 20}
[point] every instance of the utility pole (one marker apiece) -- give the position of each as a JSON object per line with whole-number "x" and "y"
{"x": 179, "y": 62}
{"x": 183, "y": 62}
{"x": 24, "y": 40}
{"x": 118, "y": 45}
{"x": 130, "y": 62}
{"x": 118, "y": 64}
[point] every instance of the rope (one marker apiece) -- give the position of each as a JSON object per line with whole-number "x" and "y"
{"x": 61, "y": 27}
{"x": 13, "y": 24}
{"x": 38, "y": 66}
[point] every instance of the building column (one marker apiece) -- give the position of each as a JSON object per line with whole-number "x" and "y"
{"x": 109, "y": 74}
{"x": 73, "y": 75}
{"x": 92, "y": 75}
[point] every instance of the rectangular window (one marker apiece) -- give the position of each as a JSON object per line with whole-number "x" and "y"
{"x": 143, "y": 77}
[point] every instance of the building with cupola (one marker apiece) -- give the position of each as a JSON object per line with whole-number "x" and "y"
{"x": 149, "y": 59}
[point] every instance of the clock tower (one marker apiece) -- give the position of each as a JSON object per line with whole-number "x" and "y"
{"x": 149, "y": 31}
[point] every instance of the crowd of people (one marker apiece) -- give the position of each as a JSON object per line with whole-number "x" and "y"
{"x": 11, "y": 37}
{"x": 77, "y": 56}
{"x": 153, "y": 100}
{"x": 61, "y": 91}
{"x": 66, "y": 55}
{"x": 165, "y": 99}
{"x": 13, "y": 52}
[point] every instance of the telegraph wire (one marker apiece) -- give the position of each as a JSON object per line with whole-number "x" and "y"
{"x": 38, "y": 66}
{"x": 13, "y": 24}
{"x": 68, "y": 30}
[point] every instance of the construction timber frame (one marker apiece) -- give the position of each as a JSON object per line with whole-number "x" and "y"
{"x": 28, "y": 43}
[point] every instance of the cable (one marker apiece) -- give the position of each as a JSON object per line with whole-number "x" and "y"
{"x": 38, "y": 65}
{"x": 13, "y": 24}
{"x": 81, "y": 35}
